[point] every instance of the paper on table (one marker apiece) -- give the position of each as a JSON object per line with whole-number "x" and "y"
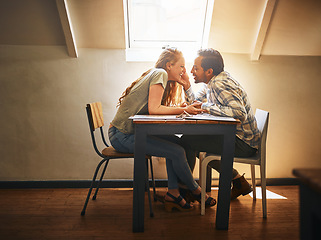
{"x": 155, "y": 117}
{"x": 206, "y": 116}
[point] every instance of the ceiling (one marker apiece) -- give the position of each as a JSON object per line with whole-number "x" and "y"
{"x": 256, "y": 27}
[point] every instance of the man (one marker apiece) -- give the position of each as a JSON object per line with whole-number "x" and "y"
{"x": 222, "y": 96}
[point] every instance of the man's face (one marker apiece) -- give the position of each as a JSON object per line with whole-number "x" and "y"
{"x": 198, "y": 71}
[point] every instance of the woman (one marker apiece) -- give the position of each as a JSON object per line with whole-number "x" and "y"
{"x": 158, "y": 91}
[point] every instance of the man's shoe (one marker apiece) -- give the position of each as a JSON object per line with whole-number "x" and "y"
{"x": 240, "y": 187}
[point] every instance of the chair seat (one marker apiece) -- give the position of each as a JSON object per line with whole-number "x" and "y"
{"x": 255, "y": 159}
{"x": 111, "y": 152}
{"x": 249, "y": 160}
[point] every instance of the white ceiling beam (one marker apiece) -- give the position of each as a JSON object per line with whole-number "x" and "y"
{"x": 67, "y": 28}
{"x": 263, "y": 27}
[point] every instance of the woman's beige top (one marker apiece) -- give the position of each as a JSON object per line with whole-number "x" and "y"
{"x": 136, "y": 102}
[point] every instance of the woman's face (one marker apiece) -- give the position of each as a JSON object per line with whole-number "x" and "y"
{"x": 176, "y": 70}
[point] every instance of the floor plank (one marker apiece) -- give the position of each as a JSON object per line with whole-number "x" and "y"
{"x": 55, "y": 214}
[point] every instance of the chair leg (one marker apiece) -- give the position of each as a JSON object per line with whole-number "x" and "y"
{"x": 204, "y": 172}
{"x": 201, "y": 157}
{"x": 203, "y": 166}
{"x": 151, "y": 213}
{"x": 253, "y": 181}
{"x": 153, "y": 180}
{"x": 263, "y": 187}
{"x": 91, "y": 186}
{"x": 101, "y": 178}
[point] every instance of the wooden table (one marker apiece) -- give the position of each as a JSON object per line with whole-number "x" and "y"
{"x": 162, "y": 125}
{"x": 310, "y": 202}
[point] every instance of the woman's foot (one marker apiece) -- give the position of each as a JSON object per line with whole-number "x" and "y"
{"x": 177, "y": 202}
{"x": 209, "y": 201}
{"x": 187, "y": 194}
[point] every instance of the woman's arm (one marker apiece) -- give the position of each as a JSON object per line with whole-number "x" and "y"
{"x": 190, "y": 97}
{"x": 156, "y": 92}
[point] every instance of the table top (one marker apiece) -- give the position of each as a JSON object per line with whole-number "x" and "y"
{"x": 310, "y": 176}
{"x": 173, "y": 119}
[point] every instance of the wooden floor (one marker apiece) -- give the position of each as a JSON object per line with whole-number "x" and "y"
{"x": 55, "y": 214}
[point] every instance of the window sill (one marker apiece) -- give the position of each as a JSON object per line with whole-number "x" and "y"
{"x": 152, "y": 54}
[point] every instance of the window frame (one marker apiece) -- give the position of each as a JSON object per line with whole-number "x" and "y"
{"x": 143, "y": 54}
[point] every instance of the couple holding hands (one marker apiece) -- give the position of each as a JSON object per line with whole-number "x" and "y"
{"x": 159, "y": 91}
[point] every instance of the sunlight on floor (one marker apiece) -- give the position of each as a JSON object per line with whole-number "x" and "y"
{"x": 269, "y": 194}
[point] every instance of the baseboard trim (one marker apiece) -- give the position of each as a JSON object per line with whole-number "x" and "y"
{"x": 119, "y": 183}
{"x": 123, "y": 183}
{"x": 281, "y": 181}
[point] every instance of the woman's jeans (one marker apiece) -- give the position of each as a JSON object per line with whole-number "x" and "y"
{"x": 176, "y": 164}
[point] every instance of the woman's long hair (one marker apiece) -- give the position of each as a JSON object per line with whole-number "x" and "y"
{"x": 173, "y": 92}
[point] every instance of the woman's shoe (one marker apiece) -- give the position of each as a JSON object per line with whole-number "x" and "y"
{"x": 209, "y": 202}
{"x": 169, "y": 205}
{"x": 187, "y": 195}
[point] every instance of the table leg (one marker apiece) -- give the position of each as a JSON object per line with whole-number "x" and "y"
{"x": 310, "y": 213}
{"x": 224, "y": 193}
{"x": 139, "y": 180}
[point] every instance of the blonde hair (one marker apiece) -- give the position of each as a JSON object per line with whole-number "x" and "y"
{"x": 173, "y": 92}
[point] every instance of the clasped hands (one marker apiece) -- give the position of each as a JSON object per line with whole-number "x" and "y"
{"x": 194, "y": 108}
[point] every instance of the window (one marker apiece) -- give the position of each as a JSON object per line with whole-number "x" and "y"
{"x": 152, "y": 25}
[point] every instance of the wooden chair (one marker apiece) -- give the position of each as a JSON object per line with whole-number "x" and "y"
{"x": 262, "y": 118}
{"x": 95, "y": 119}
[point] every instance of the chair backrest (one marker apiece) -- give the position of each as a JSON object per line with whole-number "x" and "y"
{"x": 95, "y": 115}
{"x": 96, "y": 120}
{"x": 262, "y": 119}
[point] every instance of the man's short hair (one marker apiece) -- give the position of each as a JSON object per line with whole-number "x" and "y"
{"x": 212, "y": 59}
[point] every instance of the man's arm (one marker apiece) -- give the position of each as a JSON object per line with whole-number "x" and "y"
{"x": 190, "y": 97}
{"x": 228, "y": 102}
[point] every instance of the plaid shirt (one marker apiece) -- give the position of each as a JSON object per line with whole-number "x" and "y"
{"x": 224, "y": 96}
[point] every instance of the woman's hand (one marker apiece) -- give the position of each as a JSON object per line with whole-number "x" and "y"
{"x": 156, "y": 92}
{"x": 184, "y": 81}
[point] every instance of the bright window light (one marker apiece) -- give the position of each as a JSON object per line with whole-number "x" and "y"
{"x": 152, "y": 25}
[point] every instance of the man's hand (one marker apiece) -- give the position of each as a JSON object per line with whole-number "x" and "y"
{"x": 197, "y": 104}
{"x": 184, "y": 104}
